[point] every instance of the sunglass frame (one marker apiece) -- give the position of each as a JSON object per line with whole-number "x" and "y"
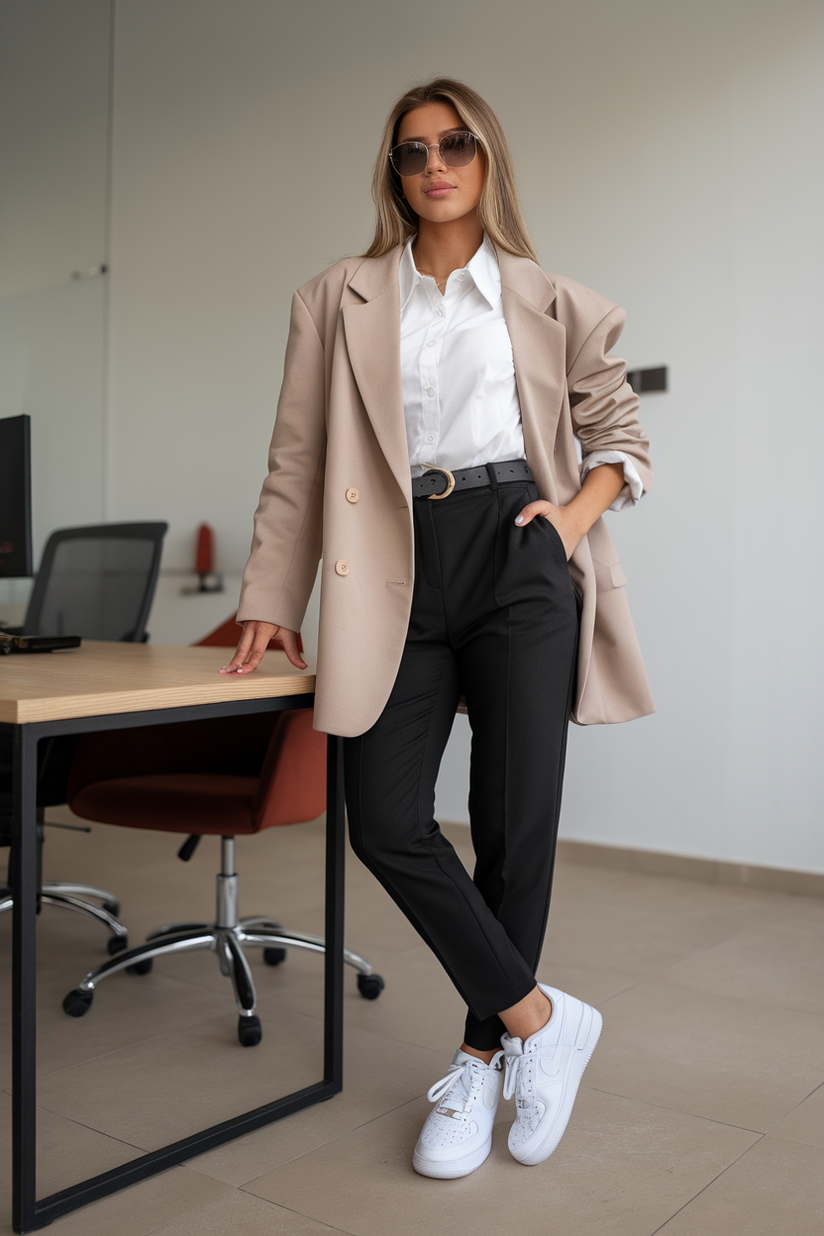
{"x": 436, "y": 146}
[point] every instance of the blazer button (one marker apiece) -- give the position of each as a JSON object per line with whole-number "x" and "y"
{"x": 352, "y": 495}
{"x": 342, "y": 567}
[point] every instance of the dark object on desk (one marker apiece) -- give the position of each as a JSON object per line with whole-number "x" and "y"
{"x": 36, "y": 643}
{"x": 98, "y": 580}
{"x": 15, "y": 497}
{"x": 223, "y": 778}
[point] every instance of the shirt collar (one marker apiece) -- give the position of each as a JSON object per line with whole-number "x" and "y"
{"x": 486, "y": 275}
{"x": 482, "y": 267}
{"x": 408, "y": 277}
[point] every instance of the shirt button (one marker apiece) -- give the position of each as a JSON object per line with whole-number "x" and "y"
{"x": 439, "y": 311}
{"x": 431, "y": 343}
{"x": 430, "y": 391}
{"x": 352, "y": 495}
{"x": 430, "y": 437}
{"x": 341, "y": 567}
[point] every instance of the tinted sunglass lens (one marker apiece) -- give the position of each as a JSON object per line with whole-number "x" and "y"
{"x": 410, "y": 158}
{"x": 458, "y": 149}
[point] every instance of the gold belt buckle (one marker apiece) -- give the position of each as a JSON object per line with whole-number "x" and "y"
{"x": 449, "y": 476}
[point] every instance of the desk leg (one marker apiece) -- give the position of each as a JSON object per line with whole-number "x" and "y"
{"x": 24, "y": 978}
{"x": 333, "y": 973}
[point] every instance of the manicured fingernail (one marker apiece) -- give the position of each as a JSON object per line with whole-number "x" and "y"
{"x": 519, "y": 519}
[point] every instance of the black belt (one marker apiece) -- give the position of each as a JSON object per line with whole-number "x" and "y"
{"x": 440, "y": 482}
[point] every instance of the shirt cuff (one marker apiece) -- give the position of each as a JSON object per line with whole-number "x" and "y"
{"x": 630, "y": 495}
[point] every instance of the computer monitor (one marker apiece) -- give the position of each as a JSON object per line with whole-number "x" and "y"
{"x": 15, "y": 497}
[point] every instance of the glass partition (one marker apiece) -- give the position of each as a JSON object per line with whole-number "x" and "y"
{"x": 54, "y": 151}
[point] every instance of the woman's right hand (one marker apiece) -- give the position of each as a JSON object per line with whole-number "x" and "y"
{"x": 253, "y": 644}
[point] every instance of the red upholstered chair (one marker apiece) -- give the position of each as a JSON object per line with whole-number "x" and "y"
{"x": 223, "y": 777}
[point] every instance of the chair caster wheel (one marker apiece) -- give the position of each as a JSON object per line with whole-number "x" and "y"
{"x": 78, "y": 1002}
{"x": 370, "y": 986}
{"x": 249, "y": 1031}
{"x": 274, "y": 956}
{"x": 141, "y": 967}
{"x": 116, "y": 944}
{"x": 112, "y": 907}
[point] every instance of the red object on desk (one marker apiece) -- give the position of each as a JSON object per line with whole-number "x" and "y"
{"x": 205, "y": 550}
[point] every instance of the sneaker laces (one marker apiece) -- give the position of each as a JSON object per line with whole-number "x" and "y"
{"x": 511, "y": 1069}
{"x": 518, "y": 1072}
{"x": 467, "y": 1073}
{"x": 457, "y": 1073}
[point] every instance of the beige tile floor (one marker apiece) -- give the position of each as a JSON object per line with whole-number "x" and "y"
{"x": 701, "y": 1114}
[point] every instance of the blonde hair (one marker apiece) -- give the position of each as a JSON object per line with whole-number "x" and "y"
{"x": 498, "y": 210}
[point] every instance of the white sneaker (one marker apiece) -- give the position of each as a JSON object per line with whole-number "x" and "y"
{"x": 544, "y": 1072}
{"x": 457, "y": 1135}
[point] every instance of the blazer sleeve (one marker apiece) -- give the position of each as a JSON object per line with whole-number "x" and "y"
{"x": 287, "y": 540}
{"x": 603, "y": 405}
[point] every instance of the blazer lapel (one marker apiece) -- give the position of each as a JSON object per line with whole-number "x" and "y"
{"x": 539, "y": 351}
{"x": 372, "y": 331}
{"x": 373, "y": 341}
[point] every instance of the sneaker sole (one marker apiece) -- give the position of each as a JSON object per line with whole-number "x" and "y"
{"x": 540, "y": 1152}
{"x": 451, "y": 1171}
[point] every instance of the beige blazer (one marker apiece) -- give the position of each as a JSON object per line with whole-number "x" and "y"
{"x": 339, "y": 480}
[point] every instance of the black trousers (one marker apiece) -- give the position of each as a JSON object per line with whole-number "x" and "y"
{"x": 495, "y": 617}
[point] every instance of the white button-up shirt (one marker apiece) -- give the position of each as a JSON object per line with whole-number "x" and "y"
{"x": 458, "y": 376}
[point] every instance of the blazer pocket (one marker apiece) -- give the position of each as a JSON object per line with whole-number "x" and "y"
{"x": 607, "y": 577}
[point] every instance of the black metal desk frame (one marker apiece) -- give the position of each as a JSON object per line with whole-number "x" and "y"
{"x": 29, "y": 1214}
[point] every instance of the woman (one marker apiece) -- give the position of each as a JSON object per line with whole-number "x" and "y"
{"x": 425, "y": 447}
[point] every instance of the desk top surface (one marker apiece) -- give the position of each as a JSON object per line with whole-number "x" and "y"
{"x": 101, "y": 678}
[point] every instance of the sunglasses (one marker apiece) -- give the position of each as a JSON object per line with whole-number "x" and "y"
{"x": 455, "y": 150}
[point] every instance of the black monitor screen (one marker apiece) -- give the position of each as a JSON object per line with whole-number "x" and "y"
{"x": 15, "y": 497}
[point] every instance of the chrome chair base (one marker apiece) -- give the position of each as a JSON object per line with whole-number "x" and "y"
{"x": 226, "y": 937}
{"x": 71, "y": 896}
{"x": 56, "y": 893}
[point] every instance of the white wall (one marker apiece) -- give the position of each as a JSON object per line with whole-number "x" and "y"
{"x": 54, "y": 122}
{"x": 666, "y": 154}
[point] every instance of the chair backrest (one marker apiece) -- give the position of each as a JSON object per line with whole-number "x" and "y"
{"x": 292, "y": 784}
{"x": 97, "y": 582}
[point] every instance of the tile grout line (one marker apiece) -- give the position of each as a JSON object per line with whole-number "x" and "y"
{"x": 331, "y": 1227}
{"x": 314, "y": 1149}
{"x": 230, "y": 1189}
{"x": 81, "y": 1125}
{"x": 657, "y": 975}
{"x": 814, "y": 1090}
{"x": 661, "y": 974}
{"x": 707, "y": 1186}
{"x": 662, "y": 1107}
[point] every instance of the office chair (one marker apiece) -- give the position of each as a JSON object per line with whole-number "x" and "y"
{"x": 221, "y": 777}
{"x": 97, "y": 582}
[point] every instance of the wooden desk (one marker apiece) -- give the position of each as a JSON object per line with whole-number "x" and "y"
{"x": 118, "y": 686}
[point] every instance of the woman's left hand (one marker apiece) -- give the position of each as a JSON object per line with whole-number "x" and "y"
{"x": 561, "y": 518}
{"x": 600, "y": 488}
